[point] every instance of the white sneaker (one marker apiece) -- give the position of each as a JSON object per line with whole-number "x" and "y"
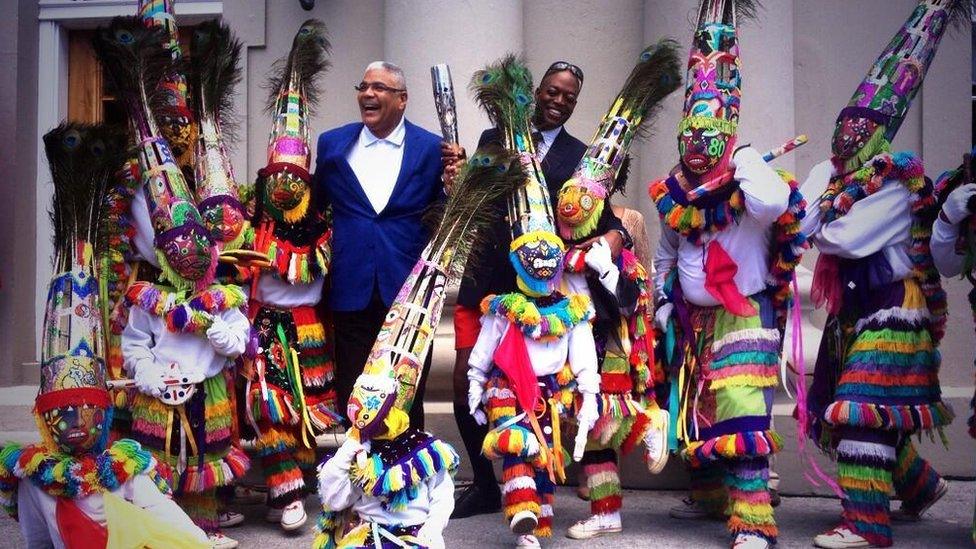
{"x": 273, "y": 515}
{"x": 249, "y": 495}
{"x": 596, "y": 525}
{"x": 219, "y": 541}
{"x": 528, "y": 541}
{"x": 293, "y": 516}
{"x": 524, "y": 522}
{"x": 229, "y": 518}
{"x": 750, "y": 541}
{"x": 840, "y": 538}
{"x": 656, "y": 441}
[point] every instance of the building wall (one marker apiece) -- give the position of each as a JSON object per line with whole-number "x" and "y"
{"x": 801, "y": 62}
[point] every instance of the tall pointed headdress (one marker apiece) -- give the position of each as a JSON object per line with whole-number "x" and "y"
{"x": 136, "y": 62}
{"x": 214, "y": 71}
{"x": 504, "y": 90}
{"x": 886, "y": 93}
{"x": 286, "y": 181}
{"x": 582, "y": 197}
{"x": 173, "y": 114}
{"x": 713, "y": 86}
{"x": 82, "y": 158}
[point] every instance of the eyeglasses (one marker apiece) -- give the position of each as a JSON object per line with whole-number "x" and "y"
{"x": 377, "y": 87}
{"x": 565, "y": 66}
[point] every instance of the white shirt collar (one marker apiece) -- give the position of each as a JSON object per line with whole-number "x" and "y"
{"x": 550, "y": 135}
{"x": 367, "y": 138}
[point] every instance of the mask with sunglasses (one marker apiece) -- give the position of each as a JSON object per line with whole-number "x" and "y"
{"x": 706, "y": 134}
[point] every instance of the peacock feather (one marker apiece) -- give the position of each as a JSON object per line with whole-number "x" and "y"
{"x": 504, "y": 90}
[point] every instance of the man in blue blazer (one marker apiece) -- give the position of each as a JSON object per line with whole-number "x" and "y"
{"x": 379, "y": 176}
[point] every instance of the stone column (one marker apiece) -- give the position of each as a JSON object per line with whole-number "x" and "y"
{"x": 465, "y": 35}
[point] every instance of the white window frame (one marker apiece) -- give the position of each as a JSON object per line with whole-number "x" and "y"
{"x": 55, "y": 18}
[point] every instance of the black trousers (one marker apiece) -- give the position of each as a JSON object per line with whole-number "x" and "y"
{"x": 355, "y": 333}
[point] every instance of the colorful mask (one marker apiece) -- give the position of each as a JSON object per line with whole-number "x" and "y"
{"x": 851, "y": 135}
{"x": 581, "y": 202}
{"x": 538, "y": 261}
{"x": 286, "y": 192}
{"x": 76, "y": 429}
{"x": 712, "y": 90}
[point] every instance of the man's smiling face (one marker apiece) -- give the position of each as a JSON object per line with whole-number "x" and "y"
{"x": 382, "y": 101}
{"x": 555, "y": 99}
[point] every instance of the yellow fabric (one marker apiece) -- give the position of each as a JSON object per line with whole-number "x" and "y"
{"x": 396, "y": 422}
{"x": 132, "y": 527}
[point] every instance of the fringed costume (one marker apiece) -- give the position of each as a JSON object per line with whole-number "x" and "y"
{"x": 182, "y": 332}
{"x": 953, "y": 242}
{"x": 76, "y": 489}
{"x": 876, "y": 380}
{"x": 535, "y": 348}
{"x": 729, "y": 244}
{"x": 291, "y": 390}
{"x": 621, "y": 292}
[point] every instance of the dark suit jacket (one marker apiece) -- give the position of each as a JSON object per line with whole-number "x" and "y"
{"x": 375, "y": 249}
{"x": 491, "y": 272}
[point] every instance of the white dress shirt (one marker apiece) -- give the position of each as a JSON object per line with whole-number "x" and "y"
{"x": 376, "y": 163}
{"x": 548, "y": 137}
{"x": 766, "y": 197}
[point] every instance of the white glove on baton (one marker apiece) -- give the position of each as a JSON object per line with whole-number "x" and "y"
{"x": 149, "y": 378}
{"x": 599, "y": 259}
{"x": 586, "y": 419}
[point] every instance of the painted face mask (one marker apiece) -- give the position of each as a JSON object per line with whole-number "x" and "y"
{"x": 286, "y": 193}
{"x": 372, "y": 397}
{"x": 223, "y": 217}
{"x": 702, "y": 149}
{"x": 538, "y": 261}
{"x": 189, "y": 252}
{"x": 851, "y": 135}
{"x": 580, "y": 205}
{"x": 76, "y": 429}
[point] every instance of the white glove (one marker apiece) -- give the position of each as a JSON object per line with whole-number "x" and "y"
{"x": 586, "y": 419}
{"x": 743, "y": 155}
{"x": 662, "y": 315}
{"x": 348, "y": 450}
{"x": 149, "y": 378}
{"x": 430, "y": 536}
{"x": 222, "y": 338}
{"x": 599, "y": 259}
{"x": 955, "y": 208}
{"x": 475, "y": 392}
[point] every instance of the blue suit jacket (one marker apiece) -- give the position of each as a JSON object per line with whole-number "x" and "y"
{"x": 375, "y": 249}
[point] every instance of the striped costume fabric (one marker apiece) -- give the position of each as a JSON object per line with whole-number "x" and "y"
{"x": 864, "y": 474}
{"x": 287, "y": 398}
{"x": 526, "y": 485}
{"x": 603, "y": 481}
{"x": 733, "y": 370}
{"x": 192, "y": 444}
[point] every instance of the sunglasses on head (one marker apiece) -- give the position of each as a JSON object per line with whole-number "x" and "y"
{"x": 559, "y": 66}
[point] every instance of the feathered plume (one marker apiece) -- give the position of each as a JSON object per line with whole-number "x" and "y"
{"x": 729, "y": 11}
{"x": 504, "y": 90}
{"x": 214, "y": 70}
{"x": 136, "y": 61}
{"x": 81, "y": 158}
{"x": 656, "y": 75}
{"x": 491, "y": 174}
{"x": 302, "y": 67}
{"x": 960, "y": 13}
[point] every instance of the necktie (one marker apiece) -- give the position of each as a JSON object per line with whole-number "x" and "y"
{"x": 539, "y": 145}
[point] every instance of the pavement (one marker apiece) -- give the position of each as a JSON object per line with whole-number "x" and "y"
{"x": 646, "y": 524}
